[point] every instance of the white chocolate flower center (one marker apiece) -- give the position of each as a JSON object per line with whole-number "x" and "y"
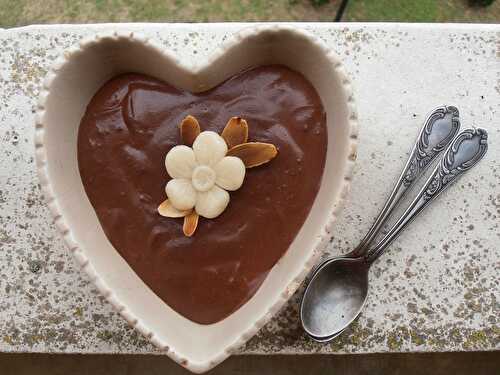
{"x": 203, "y": 178}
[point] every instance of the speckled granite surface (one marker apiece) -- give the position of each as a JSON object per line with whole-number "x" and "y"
{"x": 436, "y": 290}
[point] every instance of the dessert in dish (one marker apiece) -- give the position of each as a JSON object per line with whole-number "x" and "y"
{"x": 132, "y": 124}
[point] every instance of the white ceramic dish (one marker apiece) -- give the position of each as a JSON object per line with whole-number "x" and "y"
{"x": 69, "y": 86}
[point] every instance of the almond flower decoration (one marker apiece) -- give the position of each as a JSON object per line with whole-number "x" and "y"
{"x": 203, "y": 175}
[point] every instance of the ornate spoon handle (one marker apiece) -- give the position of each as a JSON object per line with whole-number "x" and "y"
{"x": 465, "y": 151}
{"x": 439, "y": 129}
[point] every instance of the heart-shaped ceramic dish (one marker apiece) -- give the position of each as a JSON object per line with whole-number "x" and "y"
{"x": 67, "y": 90}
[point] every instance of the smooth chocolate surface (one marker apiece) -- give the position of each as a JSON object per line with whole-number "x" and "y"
{"x": 128, "y": 128}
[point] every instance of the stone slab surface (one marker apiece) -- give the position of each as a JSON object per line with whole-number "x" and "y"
{"x": 436, "y": 290}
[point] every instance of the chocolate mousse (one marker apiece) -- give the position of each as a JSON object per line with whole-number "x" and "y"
{"x": 130, "y": 125}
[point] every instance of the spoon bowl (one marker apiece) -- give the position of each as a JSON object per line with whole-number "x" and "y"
{"x": 334, "y": 297}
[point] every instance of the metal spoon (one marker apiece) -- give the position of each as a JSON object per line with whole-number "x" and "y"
{"x": 440, "y": 127}
{"x": 337, "y": 291}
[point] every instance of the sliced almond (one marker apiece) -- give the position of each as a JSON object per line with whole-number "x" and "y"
{"x": 254, "y": 154}
{"x": 235, "y": 132}
{"x": 190, "y": 129}
{"x": 168, "y": 210}
{"x": 190, "y": 223}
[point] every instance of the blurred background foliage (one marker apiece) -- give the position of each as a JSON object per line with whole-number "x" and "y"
{"x": 24, "y": 12}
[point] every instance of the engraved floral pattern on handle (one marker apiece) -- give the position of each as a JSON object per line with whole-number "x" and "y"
{"x": 465, "y": 151}
{"x": 437, "y": 132}
{"x": 425, "y": 151}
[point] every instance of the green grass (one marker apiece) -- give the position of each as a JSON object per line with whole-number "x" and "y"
{"x": 10, "y": 14}
{"x": 24, "y": 12}
{"x": 421, "y": 11}
{"x": 390, "y": 10}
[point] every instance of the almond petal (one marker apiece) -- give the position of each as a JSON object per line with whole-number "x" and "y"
{"x": 190, "y": 129}
{"x": 235, "y": 132}
{"x": 166, "y": 209}
{"x": 254, "y": 154}
{"x": 190, "y": 223}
